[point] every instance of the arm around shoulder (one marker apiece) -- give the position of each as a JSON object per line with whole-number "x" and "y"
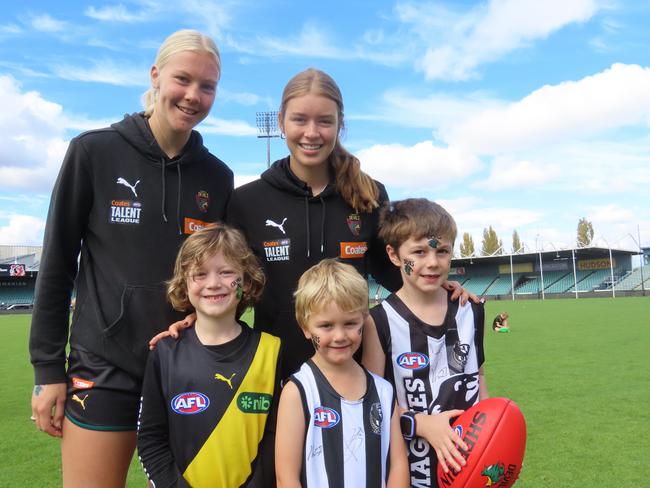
{"x": 289, "y": 438}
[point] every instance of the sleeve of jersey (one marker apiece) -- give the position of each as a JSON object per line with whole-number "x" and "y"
{"x": 67, "y": 220}
{"x": 154, "y": 450}
{"x": 380, "y": 267}
{"x": 479, "y": 327}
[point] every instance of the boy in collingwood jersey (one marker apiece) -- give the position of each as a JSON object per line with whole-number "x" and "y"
{"x": 429, "y": 347}
{"x": 337, "y": 423}
{"x": 206, "y": 415}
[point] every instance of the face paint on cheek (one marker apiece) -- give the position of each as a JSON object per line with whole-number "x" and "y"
{"x": 239, "y": 290}
{"x": 315, "y": 340}
{"x": 408, "y": 266}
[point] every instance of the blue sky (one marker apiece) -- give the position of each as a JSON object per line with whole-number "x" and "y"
{"x": 518, "y": 114}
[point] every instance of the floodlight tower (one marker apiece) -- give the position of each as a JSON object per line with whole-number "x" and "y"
{"x": 267, "y": 127}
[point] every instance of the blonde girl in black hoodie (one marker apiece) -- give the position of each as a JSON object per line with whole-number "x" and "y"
{"x": 126, "y": 197}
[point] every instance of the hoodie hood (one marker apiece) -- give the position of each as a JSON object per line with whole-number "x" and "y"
{"x": 136, "y": 131}
{"x": 280, "y": 176}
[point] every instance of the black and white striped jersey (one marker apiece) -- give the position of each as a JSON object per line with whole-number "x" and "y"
{"x": 433, "y": 368}
{"x": 346, "y": 442}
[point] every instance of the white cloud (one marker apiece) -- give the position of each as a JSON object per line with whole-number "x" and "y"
{"x": 105, "y": 71}
{"x": 459, "y": 42}
{"x": 116, "y": 13}
{"x": 423, "y": 165}
{"x": 33, "y": 142}
{"x": 506, "y": 173}
{"x": 22, "y": 230}
{"x": 243, "y": 179}
{"x": 238, "y": 128}
{"x": 47, "y": 23}
{"x": 616, "y": 97}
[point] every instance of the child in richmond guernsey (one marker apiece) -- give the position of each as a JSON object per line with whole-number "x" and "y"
{"x": 428, "y": 346}
{"x": 207, "y": 399}
{"x": 337, "y": 422}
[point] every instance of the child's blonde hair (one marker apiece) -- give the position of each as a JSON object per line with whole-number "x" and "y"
{"x": 330, "y": 281}
{"x": 416, "y": 218}
{"x": 199, "y": 247}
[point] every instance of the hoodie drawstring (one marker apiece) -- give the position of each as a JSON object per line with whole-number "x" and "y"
{"x": 307, "y": 224}
{"x": 164, "y": 195}
{"x": 162, "y": 203}
{"x": 178, "y": 201}
{"x": 322, "y": 225}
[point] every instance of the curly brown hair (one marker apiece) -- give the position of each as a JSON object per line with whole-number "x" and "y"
{"x": 205, "y": 243}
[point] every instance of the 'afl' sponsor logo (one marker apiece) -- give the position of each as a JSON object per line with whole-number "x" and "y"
{"x": 189, "y": 403}
{"x": 412, "y": 360}
{"x": 326, "y": 418}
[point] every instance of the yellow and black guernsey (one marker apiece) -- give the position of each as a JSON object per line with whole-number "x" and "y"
{"x": 207, "y": 416}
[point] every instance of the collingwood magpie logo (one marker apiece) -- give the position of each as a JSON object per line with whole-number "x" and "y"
{"x": 376, "y": 417}
{"x": 122, "y": 181}
{"x": 270, "y": 223}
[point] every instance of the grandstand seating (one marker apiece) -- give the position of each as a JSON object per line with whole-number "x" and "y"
{"x": 632, "y": 281}
{"x": 14, "y": 295}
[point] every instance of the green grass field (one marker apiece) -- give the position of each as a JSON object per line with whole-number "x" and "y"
{"x": 577, "y": 368}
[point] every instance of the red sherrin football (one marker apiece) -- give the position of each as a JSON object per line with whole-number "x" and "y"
{"x": 495, "y": 433}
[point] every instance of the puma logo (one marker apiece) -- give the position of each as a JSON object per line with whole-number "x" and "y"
{"x": 81, "y": 401}
{"x": 270, "y": 223}
{"x": 122, "y": 181}
{"x": 220, "y": 377}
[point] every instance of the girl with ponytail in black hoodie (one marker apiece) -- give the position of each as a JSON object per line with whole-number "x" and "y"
{"x": 126, "y": 198}
{"x": 314, "y": 204}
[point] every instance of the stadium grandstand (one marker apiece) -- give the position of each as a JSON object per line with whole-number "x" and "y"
{"x": 18, "y": 270}
{"x": 566, "y": 273}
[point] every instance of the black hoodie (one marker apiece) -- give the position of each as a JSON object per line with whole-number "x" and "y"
{"x": 127, "y": 207}
{"x": 290, "y": 230}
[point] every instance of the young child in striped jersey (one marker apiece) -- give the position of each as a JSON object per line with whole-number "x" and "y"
{"x": 337, "y": 423}
{"x": 428, "y": 346}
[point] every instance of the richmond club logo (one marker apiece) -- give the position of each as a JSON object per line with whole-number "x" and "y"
{"x": 326, "y": 418}
{"x": 412, "y": 360}
{"x": 189, "y": 403}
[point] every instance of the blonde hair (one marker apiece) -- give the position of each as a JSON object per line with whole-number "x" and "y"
{"x": 330, "y": 281}
{"x": 416, "y": 218}
{"x": 180, "y": 41}
{"x": 356, "y": 187}
{"x": 203, "y": 244}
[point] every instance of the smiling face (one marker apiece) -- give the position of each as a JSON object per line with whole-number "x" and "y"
{"x": 214, "y": 288}
{"x": 187, "y": 85}
{"x": 424, "y": 266}
{"x": 310, "y": 124}
{"x": 335, "y": 334}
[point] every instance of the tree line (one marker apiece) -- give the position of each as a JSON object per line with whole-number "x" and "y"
{"x": 491, "y": 245}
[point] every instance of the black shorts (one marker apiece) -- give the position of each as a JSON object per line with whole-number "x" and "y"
{"x": 100, "y": 395}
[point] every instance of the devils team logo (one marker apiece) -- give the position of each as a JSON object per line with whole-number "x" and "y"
{"x": 203, "y": 201}
{"x": 326, "y": 418}
{"x": 354, "y": 223}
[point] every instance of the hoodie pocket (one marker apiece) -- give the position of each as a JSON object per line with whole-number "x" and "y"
{"x": 143, "y": 313}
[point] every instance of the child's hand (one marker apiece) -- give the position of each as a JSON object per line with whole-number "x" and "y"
{"x": 457, "y": 291}
{"x": 173, "y": 330}
{"x": 435, "y": 429}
